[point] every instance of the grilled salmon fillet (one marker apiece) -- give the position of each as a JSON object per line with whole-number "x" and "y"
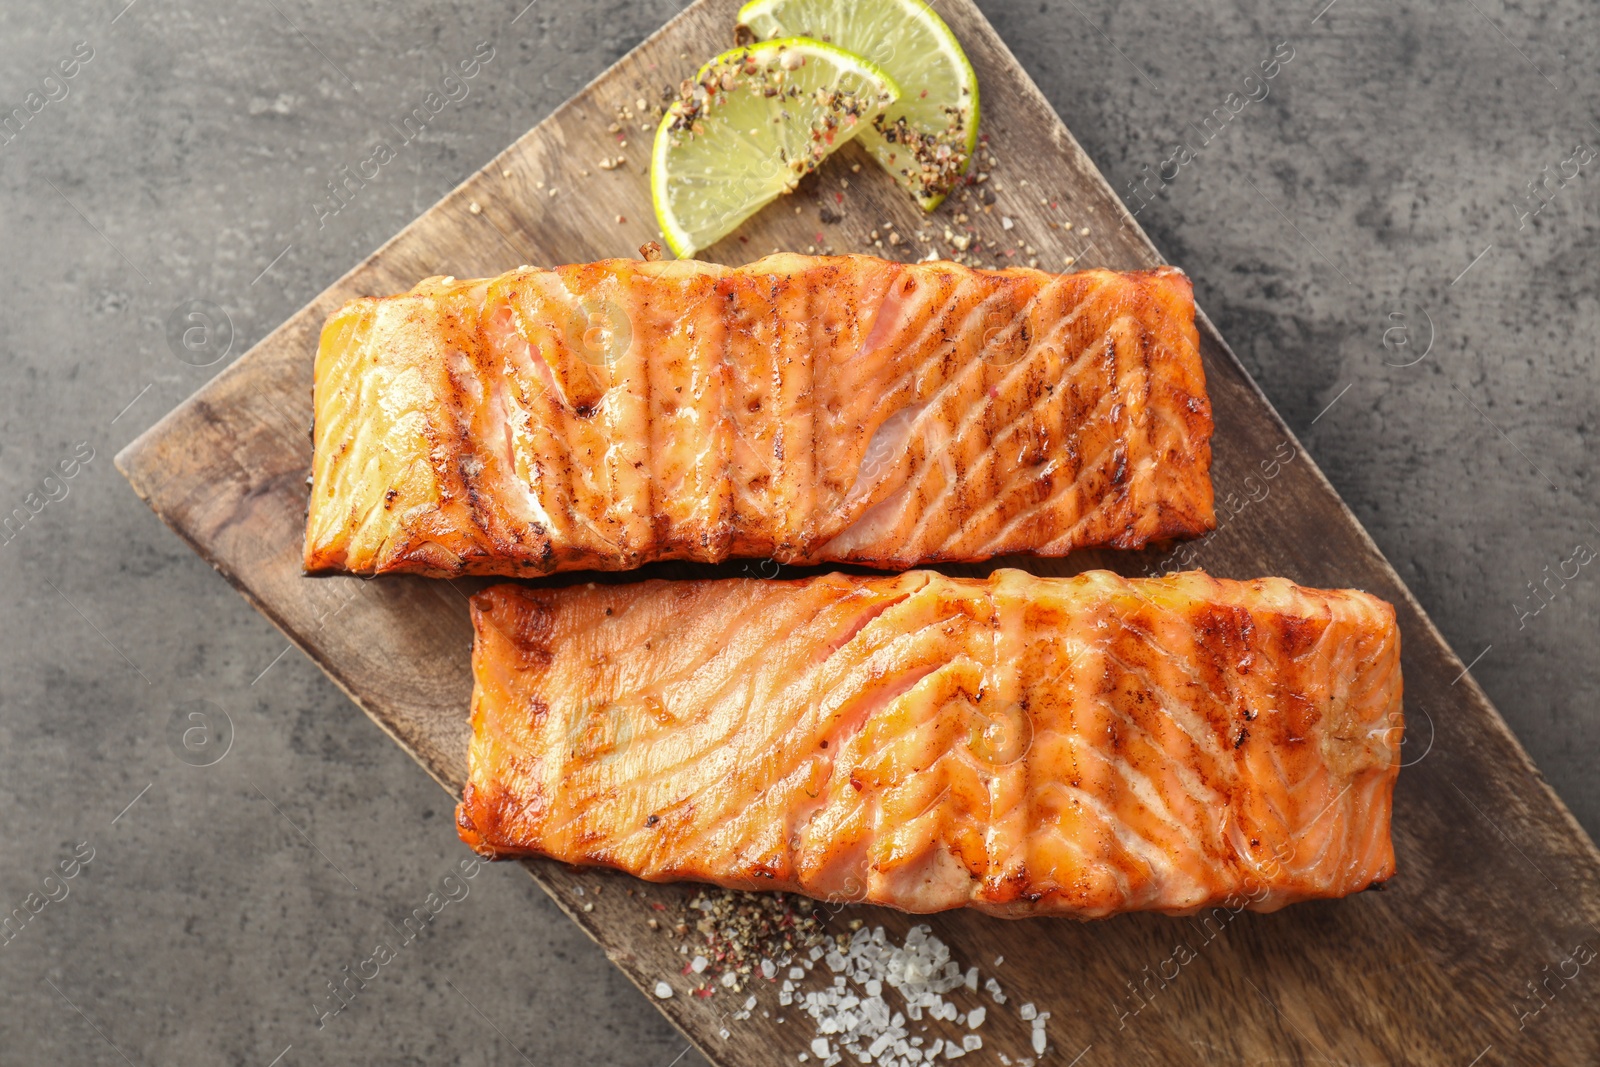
{"x": 1020, "y": 745}
{"x": 803, "y": 409}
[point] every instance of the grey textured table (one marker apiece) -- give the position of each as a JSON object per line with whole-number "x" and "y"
{"x": 1365, "y": 235}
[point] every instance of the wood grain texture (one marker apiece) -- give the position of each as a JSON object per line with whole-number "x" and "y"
{"x": 1497, "y": 884}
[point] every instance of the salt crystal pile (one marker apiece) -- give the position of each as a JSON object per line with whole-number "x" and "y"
{"x": 855, "y": 1021}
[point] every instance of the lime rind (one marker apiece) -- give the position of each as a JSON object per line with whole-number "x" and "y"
{"x": 755, "y": 120}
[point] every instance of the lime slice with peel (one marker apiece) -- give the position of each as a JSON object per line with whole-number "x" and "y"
{"x": 754, "y": 121}
{"x": 927, "y": 138}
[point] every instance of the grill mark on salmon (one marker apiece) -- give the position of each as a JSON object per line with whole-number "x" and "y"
{"x": 1020, "y": 745}
{"x": 805, "y": 409}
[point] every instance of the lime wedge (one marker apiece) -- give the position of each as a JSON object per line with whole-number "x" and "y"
{"x": 927, "y": 138}
{"x": 754, "y": 121}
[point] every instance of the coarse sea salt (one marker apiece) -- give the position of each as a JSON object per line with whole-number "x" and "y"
{"x": 860, "y": 1022}
{"x": 852, "y": 1016}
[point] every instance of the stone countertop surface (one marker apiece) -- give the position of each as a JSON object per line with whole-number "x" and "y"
{"x": 1365, "y": 235}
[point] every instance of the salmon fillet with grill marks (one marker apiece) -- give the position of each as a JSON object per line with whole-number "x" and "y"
{"x": 1020, "y": 745}
{"x": 800, "y": 408}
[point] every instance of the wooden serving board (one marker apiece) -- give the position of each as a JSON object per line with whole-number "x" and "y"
{"x": 1470, "y": 956}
